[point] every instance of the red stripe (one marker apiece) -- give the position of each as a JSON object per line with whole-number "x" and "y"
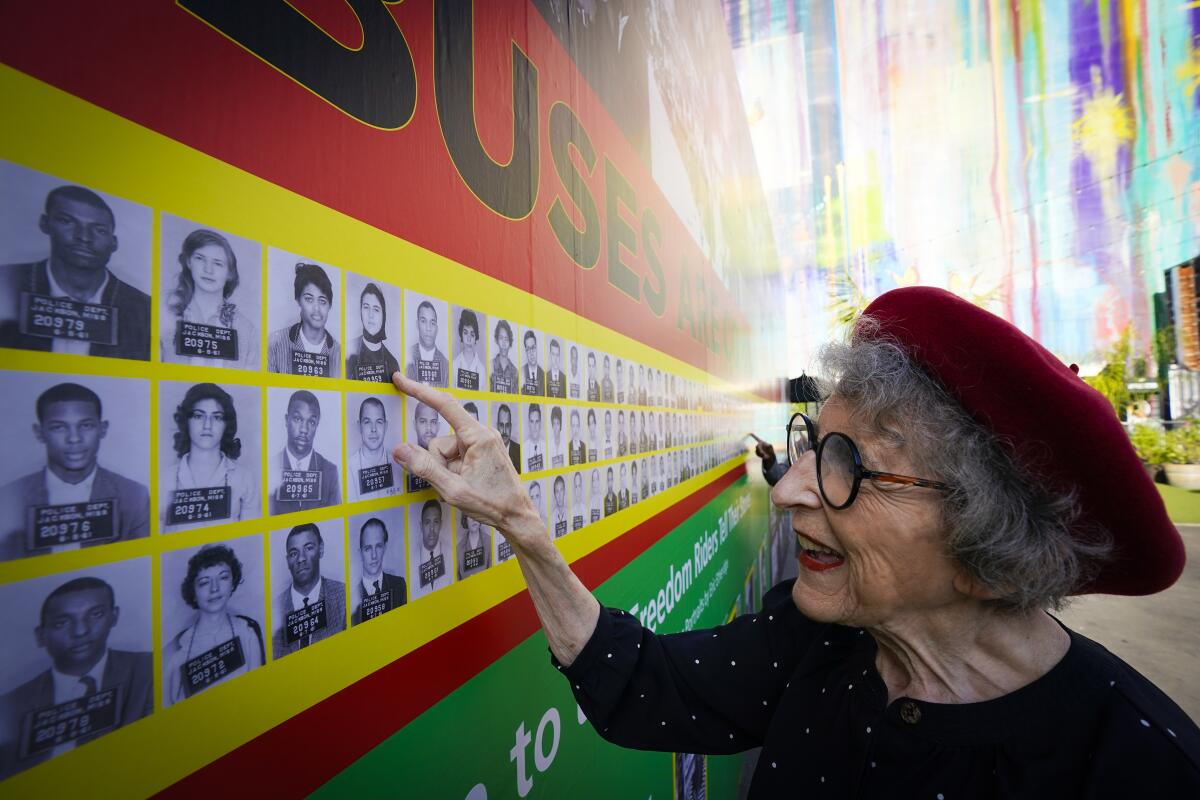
{"x": 344, "y": 726}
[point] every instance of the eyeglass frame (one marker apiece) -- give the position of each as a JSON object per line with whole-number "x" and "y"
{"x": 860, "y": 472}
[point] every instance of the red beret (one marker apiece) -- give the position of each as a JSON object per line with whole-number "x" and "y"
{"x": 1058, "y": 428}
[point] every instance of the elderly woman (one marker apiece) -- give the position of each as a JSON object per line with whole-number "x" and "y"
{"x": 959, "y": 482}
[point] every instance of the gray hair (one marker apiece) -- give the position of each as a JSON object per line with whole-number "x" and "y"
{"x": 1009, "y": 532}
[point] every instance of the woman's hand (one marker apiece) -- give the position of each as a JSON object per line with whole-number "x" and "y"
{"x": 471, "y": 469}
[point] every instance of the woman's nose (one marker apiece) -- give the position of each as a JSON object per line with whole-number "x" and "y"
{"x": 798, "y": 486}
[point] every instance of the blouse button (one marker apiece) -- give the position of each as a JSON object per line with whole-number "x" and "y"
{"x": 910, "y": 712}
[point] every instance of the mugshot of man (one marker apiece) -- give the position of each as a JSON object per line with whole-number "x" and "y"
{"x": 559, "y": 523}
{"x": 471, "y": 409}
{"x": 86, "y": 682}
{"x": 622, "y": 437}
{"x": 597, "y": 497}
{"x": 535, "y": 447}
{"x": 632, "y": 395}
{"x": 645, "y": 485}
{"x": 304, "y": 479}
{"x": 533, "y": 377}
{"x": 469, "y": 370}
{"x": 622, "y": 490}
{"x": 593, "y": 436}
{"x": 312, "y": 607}
{"x": 556, "y": 379}
{"x": 70, "y": 301}
{"x": 610, "y": 496}
{"x": 378, "y": 591}
{"x": 367, "y": 357}
{"x": 504, "y": 417}
{"x": 578, "y": 502}
{"x": 620, "y": 381}
{"x": 633, "y": 433}
{"x": 535, "y": 494}
{"x": 426, "y": 422}
{"x": 576, "y": 449}
{"x": 474, "y": 547}
{"x": 608, "y": 437}
{"x": 633, "y": 483}
{"x": 372, "y": 473}
{"x": 573, "y": 377}
{"x": 306, "y": 348}
{"x": 72, "y": 501}
{"x": 593, "y": 384}
{"x": 432, "y": 568}
{"x": 208, "y": 483}
{"x": 558, "y": 442}
{"x": 641, "y": 393}
{"x": 504, "y": 371}
{"x": 205, "y": 327}
{"x": 426, "y": 362}
{"x": 606, "y": 384}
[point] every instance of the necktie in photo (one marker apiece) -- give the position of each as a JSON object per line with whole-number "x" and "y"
{"x": 376, "y": 587}
{"x": 89, "y": 685}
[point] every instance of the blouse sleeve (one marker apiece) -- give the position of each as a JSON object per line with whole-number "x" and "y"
{"x": 708, "y": 691}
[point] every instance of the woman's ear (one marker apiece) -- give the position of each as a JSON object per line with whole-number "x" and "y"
{"x": 969, "y": 585}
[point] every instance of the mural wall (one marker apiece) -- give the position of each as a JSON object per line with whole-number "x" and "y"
{"x": 223, "y": 226}
{"x": 1040, "y": 158}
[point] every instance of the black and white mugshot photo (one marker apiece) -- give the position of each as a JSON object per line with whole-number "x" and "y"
{"x": 77, "y": 661}
{"x": 468, "y": 349}
{"x": 556, "y": 437}
{"x": 533, "y": 359}
{"x": 595, "y": 495}
{"x": 556, "y": 374}
{"x": 304, "y": 436}
{"x": 213, "y": 607}
{"x": 576, "y": 446}
{"x": 505, "y": 357}
{"x": 377, "y": 583}
{"x": 76, "y": 466}
{"x": 209, "y": 458}
{"x": 539, "y": 496}
{"x": 506, "y": 418}
{"x": 579, "y": 501}
{"x": 574, "y": 365}
{"x": 477, "y": 409}
{"x": 533, "y": 443}
{"x": 430, "y": 547}
{"x": 302, "y": 316}
{"x": 560, "y": 514}
{"x": 373, "y": 429}
{"x": 74, "y": 268}
{"x": 424, "y": 424}
{"x": 211, "y": 296}
{"x": 373, "y": 327}
{"x": 607, "y": 386}
{"x": 426, "y": 327}
{"x": 592, "y": 373}
{"x": 474, "y": 546}
{"x": 308, "y": 596}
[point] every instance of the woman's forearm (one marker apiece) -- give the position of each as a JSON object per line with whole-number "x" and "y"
{"x": 566, "y": 608}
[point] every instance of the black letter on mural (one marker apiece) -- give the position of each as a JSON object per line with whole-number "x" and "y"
{"x": 582, "y": 244}
{"x": 651, "y": 237}
{"x": 508, "y": 189}
{"x": 617, "y": 193}
{"x": 376, "y": 84}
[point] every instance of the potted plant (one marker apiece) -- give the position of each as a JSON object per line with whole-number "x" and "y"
{"x": 1150, "y": 444}
{"x": 1183, "y": 456}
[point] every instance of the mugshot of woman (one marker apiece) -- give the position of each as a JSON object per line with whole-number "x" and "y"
{"x": 370, "y": 359}
{"x": 203, "y": 326}
{"x": 504, "y": 371}
{"x": 208, "y": 448}
{"x": 217, "y": 636}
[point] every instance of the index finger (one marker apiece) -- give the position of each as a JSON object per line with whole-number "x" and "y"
{"x": 440, "y": 402}
{"x": 755, "y": 438}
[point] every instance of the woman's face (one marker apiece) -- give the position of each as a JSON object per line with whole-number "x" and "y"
{"x": 206, "y": 425}
{"x": 891, "y": 543}
{"x": 503, "y": 342}
{"x": 466, "y": 340}
{"x": 214, "y": 587}
{"x": 210, "y": 268}
{"x": 372, "y": 314}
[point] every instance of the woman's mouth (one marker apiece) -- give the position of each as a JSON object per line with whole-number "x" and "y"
{"x": 815, "y": 556}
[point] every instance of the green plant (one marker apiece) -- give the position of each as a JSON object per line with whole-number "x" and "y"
{"x": 1112, "y": 381}
{"x": 1150, "y": 443}
{"x": 1183, "y": 444}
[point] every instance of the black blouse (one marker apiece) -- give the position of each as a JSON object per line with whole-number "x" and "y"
{"x": 810, "y": 695}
